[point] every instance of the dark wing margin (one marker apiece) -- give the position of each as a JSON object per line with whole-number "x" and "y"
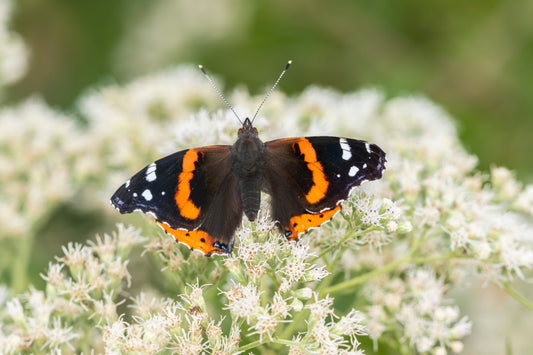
{"x": 309, "y": 177}
{"x": 186, "y": 192}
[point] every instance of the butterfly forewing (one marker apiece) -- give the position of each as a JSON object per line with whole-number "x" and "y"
{"x": 182, "y": 191}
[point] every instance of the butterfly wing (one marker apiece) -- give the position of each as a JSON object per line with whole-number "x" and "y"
{"x": 192, "y": 194}
{"x": 309, "y": 177}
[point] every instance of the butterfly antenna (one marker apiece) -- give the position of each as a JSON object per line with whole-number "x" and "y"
{"x": 218, "y": 91}
{"x": 272, "y": 89}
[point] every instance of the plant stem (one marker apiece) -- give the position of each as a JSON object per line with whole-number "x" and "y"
{"x": 250, "y": 345}
{"x": 518, "y": 296}
{"x": 365, "y": 277}
{"x": 285, "y": 341}
{"x": 427, "y": 259}
{"x": 274, "y": 340}
{"x": 295, "y": 322}
{"x": 19, "y": 271}
{"x": 360, "y": 279}
{"x": 346, "y": 237}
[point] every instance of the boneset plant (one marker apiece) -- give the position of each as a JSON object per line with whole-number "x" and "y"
{"x": 378, "y": 278}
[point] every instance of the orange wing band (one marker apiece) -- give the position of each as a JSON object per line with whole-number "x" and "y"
{"x": 197, "y": 240}
{"x": 302, "y": 223}
{"x": 183, "y": 192}
{"x": 320, "y": 184}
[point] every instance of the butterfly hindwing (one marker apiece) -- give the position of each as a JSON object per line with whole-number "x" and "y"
{"x": 186, "y": 192}
{"x": 309, "y": 177}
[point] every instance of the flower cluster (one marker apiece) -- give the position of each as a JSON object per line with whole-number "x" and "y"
{"x": 41, "y": 158}
{"x": 82, "y": 292}
{"x": 164, "y": 323}
{"x": 415, "y": 301}
{"x": 278, "y": 298}
{"x": 266, "y": 287}
{"x": 13, "y": 51}
{"x": 472, "y": 214}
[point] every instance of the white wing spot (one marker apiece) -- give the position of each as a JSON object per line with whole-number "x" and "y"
{"x": 147, "y": 194}
{"x": 367, "y": 146}
{"x": 364, "y": 166}
{"x": 150, "y": 172}
{"x": 353, "y": 170}
{"x": 338, "y": 176}
{"x": 127, "y": 184}
{"x": 134, "y": 194}
{"x": 162, "y": 193}
{"x": 346, "y": 150}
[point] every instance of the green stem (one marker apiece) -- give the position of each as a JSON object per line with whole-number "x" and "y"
{"x": 365, "y": 277}
{"x": 518, "y": 296}
{"x": 295, "y": 322}
{"x": 428, "y": 259}
{"x": 276, "y": 340}
{"x": 272, "y": 277}
{"x": 19, "y": 271}
{"x": 285, "y": 342}
{"x": 289, "y": 329}
{"x": 250, "y": 345}
{"x": 346, "y": 237}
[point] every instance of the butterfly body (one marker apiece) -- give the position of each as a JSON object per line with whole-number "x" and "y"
{"x": 199, "y": 195}
{"x": 247, "y": 155}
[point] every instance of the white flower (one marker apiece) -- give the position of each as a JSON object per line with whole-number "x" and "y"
{"x": 106, "y": 308}
{"x": 14, "y": 310}
{"x": 320, "y": 308}
{"x": 265, "y": 324}
{"x": 13, "y": 51}
{"x": 114, "y": 334}
{"x": 280, "y": 307}
{"x": 75, "y": 256}
{"x": 188, "y": 343}
{"x": 58, "y": 336}
{"x": 117, "y": 270}
{"x": 155, "y": 336}
{"x": 295, "y": 269}
{"x": 243, "y": 301}
{"x": 352, "y": 324}
{"x": 79, "y": 291}
{"x": 247, "y": 252}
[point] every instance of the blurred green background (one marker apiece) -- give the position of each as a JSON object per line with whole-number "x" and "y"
{"x": 474, "y": 58}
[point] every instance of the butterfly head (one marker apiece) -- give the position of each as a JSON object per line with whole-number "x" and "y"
{"x": 248, "y": 130}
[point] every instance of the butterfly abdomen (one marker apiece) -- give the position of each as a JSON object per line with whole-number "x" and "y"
{"x": 250, "y": 174}
{"x": 250, "y": 196}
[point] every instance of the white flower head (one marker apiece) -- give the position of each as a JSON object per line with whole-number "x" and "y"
{"x": 320, "y": 308}
{"x": 244, "y": 301}
{"x": 265, "y": 324}
{"x": 58, "y": 336}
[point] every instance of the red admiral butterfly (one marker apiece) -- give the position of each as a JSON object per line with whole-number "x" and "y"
{"x": 198, "y": 195}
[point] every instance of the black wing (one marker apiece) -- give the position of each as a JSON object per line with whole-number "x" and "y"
{"x": 192, "y": 194}
{"x": 309, "y": 177}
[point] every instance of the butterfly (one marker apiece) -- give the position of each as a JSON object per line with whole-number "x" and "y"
{"x": 198, "y": 195}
